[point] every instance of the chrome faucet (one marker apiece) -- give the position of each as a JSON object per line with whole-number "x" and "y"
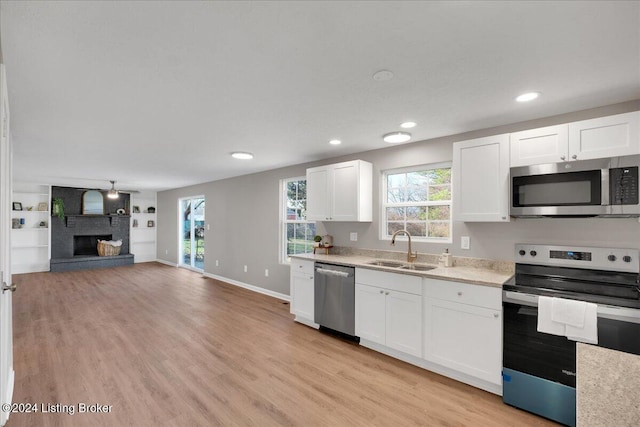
{"x": 410, "y": 255}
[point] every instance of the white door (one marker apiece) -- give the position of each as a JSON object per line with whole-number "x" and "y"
{"x": 344, "y": 192}
{"x": 404, "y": 322}
{"x": 6, "y": 328}
{"x": 481, "y": 179}
{"x": 302, "y": 298}
{"x": 609, "y": 136}
{"x": 370, "y": 313}
{"x": 318, "y": 203}
{"x": 537, "y": 146}
{"x": 465, "y": 338}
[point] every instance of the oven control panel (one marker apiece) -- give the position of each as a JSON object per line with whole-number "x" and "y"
{"x": 613, "y": 259}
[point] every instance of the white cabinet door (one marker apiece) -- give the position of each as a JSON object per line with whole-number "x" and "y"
{"x": 302, "y": 295}
{"x": 465, "y": 338}
{"x": 609, "y": 136}
{"x": 318, "y": 201}
{"x": 538, "y": 146}
{"x": 370, "y": 313}
{"x": 344, "y": 191}
{"x": 481, "y": 179}
{"x": 340, "y": 192}
{"x": 403, "y": 322}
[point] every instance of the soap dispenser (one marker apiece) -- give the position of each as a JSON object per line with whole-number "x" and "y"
{"x": 447, "y": 258}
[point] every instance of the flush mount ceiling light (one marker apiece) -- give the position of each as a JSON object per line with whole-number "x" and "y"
{"x": 408, "y": 125}
{"x": 529, "y": 96}
{"x": 113, "y": 193}
{"x": 383, "y": 76}
{"x": 242, "y": 155}
{"x": 335, "y": 142}
{"x": 396, "y": 137}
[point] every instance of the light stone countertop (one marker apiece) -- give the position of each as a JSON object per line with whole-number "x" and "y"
{"x": 468, "y": 270}
{"x": 607, "y": 388}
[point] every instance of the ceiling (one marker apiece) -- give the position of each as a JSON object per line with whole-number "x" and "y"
{"x": 156, "y": 95}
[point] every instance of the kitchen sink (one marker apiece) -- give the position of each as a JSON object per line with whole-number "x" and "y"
{"x": 417, "y": 267}
{"x": 386, "y": 263}
{"x": 401, "y": 265}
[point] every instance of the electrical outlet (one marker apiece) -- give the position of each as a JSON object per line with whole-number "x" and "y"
{"x": 208, "y": 227}
{"x": 266, "y": 272}
{"x": 464, "y": 242}
{"x": 245, "y": 268}
{"x": 353, "y": 237}
{"x": 166, "y": 251}
{"x": 217, "y": 263}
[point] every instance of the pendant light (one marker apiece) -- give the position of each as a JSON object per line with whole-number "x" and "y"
{"x": 113, "y": 193}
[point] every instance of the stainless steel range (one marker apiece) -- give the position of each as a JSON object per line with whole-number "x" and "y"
{"x": 539, "y": 368}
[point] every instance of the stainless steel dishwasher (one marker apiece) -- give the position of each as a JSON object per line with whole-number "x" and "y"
{"x": 334, "y": 297}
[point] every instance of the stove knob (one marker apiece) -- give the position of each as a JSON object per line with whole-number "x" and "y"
{"x": 533, "y": 253}
{"x": 521, "y": 252}
{"x": 612, "y": 258}
{"x": 626, "y": 258}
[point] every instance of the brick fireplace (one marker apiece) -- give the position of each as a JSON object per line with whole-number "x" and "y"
{"x": 74, "y": 238}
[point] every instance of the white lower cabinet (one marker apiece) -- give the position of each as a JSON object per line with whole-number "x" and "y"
{"x": 388, "y": 310}
{"x": 302, "y": 291}
{"x": 463, "y": 328}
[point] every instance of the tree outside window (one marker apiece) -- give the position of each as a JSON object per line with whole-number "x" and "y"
{"x": 419, "y": 201}
{"x": 298, "y": 232}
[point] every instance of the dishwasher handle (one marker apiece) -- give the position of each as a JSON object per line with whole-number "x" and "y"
{"x": 332, "y": 272}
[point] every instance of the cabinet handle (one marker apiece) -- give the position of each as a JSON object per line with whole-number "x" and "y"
{"x": 575, "y": 156}
{"x": 563, "y": 158}
{"x": 311, "y": 277}
{"x": 386, "y": 293}
{"x": 459, "y": 294}
{"x": 299, "y": 266}
{"x": 496, "y": 315}
{"x": 504, "y": 217}
{"x": 382, "y": 292}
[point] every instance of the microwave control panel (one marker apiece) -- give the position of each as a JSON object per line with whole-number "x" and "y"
{"x": 624, "y": 186}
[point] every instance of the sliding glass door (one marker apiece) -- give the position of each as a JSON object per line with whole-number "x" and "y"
{"x": 192, "y": 232}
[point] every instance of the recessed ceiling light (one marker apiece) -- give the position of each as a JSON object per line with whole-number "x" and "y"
{"x": 529, "y": 96}
{"x": 408, "y": 125}
{"x": 335, "y": 142}
{"x": 383, "y": 76}
{"x": 242, "y": 155}
{"x": 396, "y": 137}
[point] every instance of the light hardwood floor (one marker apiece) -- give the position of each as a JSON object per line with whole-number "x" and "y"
{"x": 166, "y": 346}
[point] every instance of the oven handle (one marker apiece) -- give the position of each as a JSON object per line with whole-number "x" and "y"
{"x": 622, "y": 314}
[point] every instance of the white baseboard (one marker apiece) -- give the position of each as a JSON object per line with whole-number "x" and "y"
{"x": 434, "y": 367}
{"x": 254, "y": 288}
{"x": 161, "y": 261}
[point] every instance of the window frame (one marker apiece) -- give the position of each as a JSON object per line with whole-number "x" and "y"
{"x": 282, "y": 240}
{"x": 384, "y": 204}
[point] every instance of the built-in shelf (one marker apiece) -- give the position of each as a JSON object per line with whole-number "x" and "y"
{"x": 143, "y": 238}
{"x": 31, "y": 242}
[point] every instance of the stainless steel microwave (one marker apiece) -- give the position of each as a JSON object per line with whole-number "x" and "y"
{"x": 600, "y": 187}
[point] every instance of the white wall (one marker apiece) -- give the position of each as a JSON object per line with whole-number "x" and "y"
{"x": 243, "y": 214}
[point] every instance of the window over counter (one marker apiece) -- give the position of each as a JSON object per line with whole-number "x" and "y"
{"x": 417, "y": 199}
{"x": 297, "y": 232}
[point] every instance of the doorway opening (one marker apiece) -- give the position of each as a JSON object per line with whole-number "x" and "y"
{"x": 192, "y": 226}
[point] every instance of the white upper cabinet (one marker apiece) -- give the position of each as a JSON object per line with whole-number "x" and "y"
{"x": 481, "y": 179}
{"x": 340, "y": 192}
{"x": 603, "y": 137}
{"x": 609, "y": 136}
{"x": 537, "y": 146}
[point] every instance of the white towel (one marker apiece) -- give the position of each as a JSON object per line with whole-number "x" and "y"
{"x": 545, "y": 324}
{"x": 589, "y": 332}
{"x": 568, "y": 311}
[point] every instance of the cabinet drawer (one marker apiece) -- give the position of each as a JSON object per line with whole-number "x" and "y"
{"x": 302, "y": 266}
{"x": 391, "y": 281}
{"x": 464, "y": 293}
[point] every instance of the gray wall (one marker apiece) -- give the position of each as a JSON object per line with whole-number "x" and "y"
{"x": 243, "y": 214}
